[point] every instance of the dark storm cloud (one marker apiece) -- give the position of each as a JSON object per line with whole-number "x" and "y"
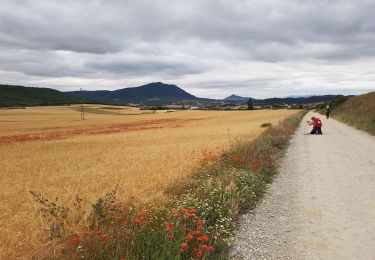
{"x": 206, "y": 44}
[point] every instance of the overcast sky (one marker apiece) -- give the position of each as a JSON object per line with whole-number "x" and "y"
{"x": 210, "y": 48}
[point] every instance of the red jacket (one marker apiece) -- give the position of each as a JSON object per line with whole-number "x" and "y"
{"x": 316, "y": 122}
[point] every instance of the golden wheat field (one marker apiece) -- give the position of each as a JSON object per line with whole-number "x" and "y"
{"x": 51, "y": 151}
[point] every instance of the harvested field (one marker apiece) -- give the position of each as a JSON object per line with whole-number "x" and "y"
{"x": 51, "y": 151}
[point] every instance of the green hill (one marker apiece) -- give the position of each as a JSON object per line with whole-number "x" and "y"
{"x": 152, "y": 93}
{"x": 358, "y": 111}
{"x": 14, "y": 96}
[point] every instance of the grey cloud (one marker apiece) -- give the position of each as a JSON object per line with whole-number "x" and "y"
{"x": 212, "y": 44}
{"x": 139, "y": 68}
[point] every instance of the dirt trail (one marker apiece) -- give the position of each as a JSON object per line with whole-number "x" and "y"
{"x": 322, "y": 205}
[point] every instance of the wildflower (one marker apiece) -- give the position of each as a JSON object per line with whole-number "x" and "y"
{"x": 171, "y": 238}
{"x": 203, "y": 238}
{"x": 196, "y": 218}
{"x": 199, "y": 253}
{"x": 105, "y": 236}
{"x": 255, "y": 165}
{"x": 74, "y": 241}
{"x": 137, "y": 221}
{"x": 208, "y": 248}
{"x": 184, "y": 246}
{"x": 190, "y": 237}
{"x": 169, "y": 228}
{"x": 183, "y": 210}
{"x": 98, "y": 232}
{"x": 192, "y": 211}
{"x": 200, "y": 224}
{"x": 196, "y": 232}
{"x": 142, "y": 214}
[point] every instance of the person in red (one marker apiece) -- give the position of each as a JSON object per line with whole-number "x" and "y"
{"x": 317, "y": 126}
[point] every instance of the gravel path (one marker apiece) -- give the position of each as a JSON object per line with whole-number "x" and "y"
{"x": 321, "y": 205}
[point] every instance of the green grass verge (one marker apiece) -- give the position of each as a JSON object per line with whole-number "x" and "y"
{"x": 358, "y": 111}
{"x": 199, "y": 220}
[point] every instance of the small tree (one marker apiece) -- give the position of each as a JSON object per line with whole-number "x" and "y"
{"x": 250, "y": 104}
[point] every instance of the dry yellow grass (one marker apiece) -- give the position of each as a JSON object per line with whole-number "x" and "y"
{"x": 146, "y": 153}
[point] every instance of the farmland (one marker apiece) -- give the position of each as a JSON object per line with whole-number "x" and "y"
{"x": 51, "y": 151}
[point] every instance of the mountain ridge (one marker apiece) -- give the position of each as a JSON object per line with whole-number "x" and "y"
{"x": 16, "y": 95}
{"x": 235, "y": 97}
{"x": 154, "y": 92}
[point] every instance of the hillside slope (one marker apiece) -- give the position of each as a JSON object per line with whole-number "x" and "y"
{"x": 11, "y": 95}
{"x": 358, "y": 111}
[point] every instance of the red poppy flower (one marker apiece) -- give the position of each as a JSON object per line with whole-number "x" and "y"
{"x": 74, "y": 241}
{"x": 105, "y": 236}
{"x": 210, "y": 249}
{"x": 98, "y": 232}
{"x": 189, "y": 236}
{"x": 200, "y": 224}
{"x": 142, "y": 214}
{"x": 255, "y": 165}
{"x": 168, "y": 229}
{"x": 192, "y": 211}
{"x": 137, "y": 221}
{"x": 184, "y": 246}
{"x": 196, "y": 232}
{"x": 204, "y": 238}
{"x": 199, "y": 253}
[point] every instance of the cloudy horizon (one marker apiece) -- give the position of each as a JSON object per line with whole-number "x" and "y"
{"x": 210, "y": 48}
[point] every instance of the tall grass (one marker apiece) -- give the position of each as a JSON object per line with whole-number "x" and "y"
{"x": 198, "y": 222}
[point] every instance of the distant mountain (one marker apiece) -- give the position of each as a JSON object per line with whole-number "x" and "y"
{"x": 291, "y": 100}
{"x": 11, "y": 96}
{"x": 153, "y": 93}
{"x": 150, "y": 94}
{"x": 298, "y": 96}
{"x": 234, "y": 97}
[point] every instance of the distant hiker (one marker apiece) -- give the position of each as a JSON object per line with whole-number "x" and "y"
{"x": 317, "y": 126}
{"x": 328, "y": 111}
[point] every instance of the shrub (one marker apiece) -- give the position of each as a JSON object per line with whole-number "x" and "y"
{"x": 264, "y": 125}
